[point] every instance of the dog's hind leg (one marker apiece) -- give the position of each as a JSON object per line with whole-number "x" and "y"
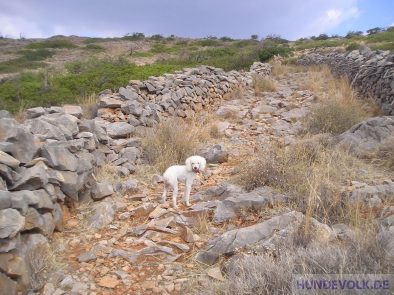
{"x": 174, "y": 195}
{"x": 164, "y": 195}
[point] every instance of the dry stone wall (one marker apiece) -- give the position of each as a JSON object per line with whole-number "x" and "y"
{"x": 51, "y": 159}
{"x": 371, "y": 73}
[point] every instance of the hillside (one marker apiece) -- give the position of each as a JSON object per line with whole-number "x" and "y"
{"x": 59, "y": 70}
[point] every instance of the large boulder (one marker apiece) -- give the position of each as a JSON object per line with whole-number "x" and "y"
{"x": 21, "y": 143}
{"x": 368, "y": 136}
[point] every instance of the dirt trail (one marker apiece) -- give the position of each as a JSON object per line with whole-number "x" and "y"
{"x": 168, "y": 240}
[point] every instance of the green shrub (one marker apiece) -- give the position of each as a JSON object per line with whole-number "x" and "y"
{"x": 94, "y": 47}
{"x": 353, "y": 46}
{"x": 268, "y": 52}
{"x": 51, "y": 43}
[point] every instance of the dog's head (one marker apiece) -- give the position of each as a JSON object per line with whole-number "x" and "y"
{"x": 195, "y": 164}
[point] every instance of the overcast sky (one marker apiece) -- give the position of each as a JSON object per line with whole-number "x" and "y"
{"x": 291, "y": 19}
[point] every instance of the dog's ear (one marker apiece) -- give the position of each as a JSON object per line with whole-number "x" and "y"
{"x": 203, "y": 163}
{"x": 188, "y": 164}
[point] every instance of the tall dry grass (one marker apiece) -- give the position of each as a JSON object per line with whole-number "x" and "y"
{"x": 89, "y": 105}
{"x": 263, "y": 84}
{"x": 174, "y": 140}
{"x": 312, "y": 172}
{"x": 339, "y": 107}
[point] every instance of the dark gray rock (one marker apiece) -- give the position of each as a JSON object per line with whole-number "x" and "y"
{"x": 87, "y": 256}
{"x": 5, "y": 200}
{"x": 102, "y": 190}
{"x": 102, "y": 214}
{"x": 368, "y": 136}
{"x": 216, "y": 154}
{"x": 238, "y": 238}
{"x": 11, "y": 222}
{"x": 110, "y": 102}
{"x": 35, "y": 112}
{"x": 255, "y": 200}
{"x": 128, "y": 93}
{"x": 59, "y": 157}
{"x": 73, "y": 110}
{"x": 131, "y": 154}
{"x": 21, "y": 143}
{"x": 32, "y": 178}
{"x": 8, "y": 160}
{"x": 132, "y": 107}
{"x": 130, "y": 185}
{"x": 119, "y": 130}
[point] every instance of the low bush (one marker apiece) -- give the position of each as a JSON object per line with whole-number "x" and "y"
{"x": 267, "y": 52}
{"x": 51, "y": 43}
{"x": 94, "y": 47}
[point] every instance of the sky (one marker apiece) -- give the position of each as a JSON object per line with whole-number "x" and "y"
{"x": 291, "y": 19}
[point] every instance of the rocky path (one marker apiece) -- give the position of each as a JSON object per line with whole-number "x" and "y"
{"x": 151, "y": 248}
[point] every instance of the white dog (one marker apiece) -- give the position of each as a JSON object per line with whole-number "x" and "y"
{"x": 185, "y": 173}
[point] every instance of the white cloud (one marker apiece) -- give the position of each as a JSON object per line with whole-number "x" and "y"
{"x": 16, "y": 27}
{"x": 331, "y": 17}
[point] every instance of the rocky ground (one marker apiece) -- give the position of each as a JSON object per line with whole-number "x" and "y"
{"x": 150, "y": 248}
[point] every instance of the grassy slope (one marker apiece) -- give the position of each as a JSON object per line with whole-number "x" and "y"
{"x": 86, "y": 77}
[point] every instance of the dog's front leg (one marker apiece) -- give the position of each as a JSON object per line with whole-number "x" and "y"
{"x": 188, "y": 189}
{"x": 164, "y": 195}
{"x": 174, "y": 195}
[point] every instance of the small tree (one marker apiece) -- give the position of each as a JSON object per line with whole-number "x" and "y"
{"x": 254, "y": 37}
{"x": 354, "y": 34}
{"x": 374, "y": 30}
{"x": 322, "y": 37}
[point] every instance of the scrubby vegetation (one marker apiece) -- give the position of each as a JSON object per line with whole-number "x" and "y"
{"x": 51, "y": 43}
{"x": 81, "y": 79}
{"x": 28, "y": 59}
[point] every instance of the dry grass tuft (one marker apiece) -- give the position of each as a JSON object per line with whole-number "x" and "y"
{"x": 384, "y": 156}
{"x": 312, "y": 172}
{"x": 340, "y": 109}
{"x": 237, "y": 93}
{"x": 231, "y": 115}
{"x": 41, "y": 261}
{"x": 263, "y": 84}
{"x": 173, "y": 140}
{"x": 89, "y": 106}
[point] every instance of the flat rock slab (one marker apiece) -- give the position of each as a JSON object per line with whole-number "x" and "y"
{"x": 368, "y": 136}
{"x": 254, "y": 200}
{"x": 119, "y": 130}
{"x": 238, "y": 238}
